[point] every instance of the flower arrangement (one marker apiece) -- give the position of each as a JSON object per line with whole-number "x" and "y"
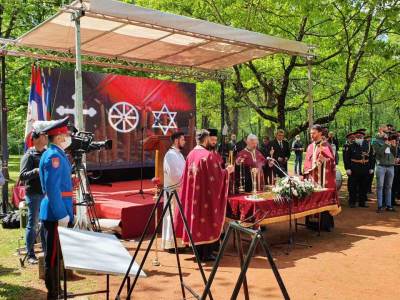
{"x": 296, "y": 188}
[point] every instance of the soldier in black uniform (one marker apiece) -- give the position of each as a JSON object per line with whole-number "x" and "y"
{"x": 349, "y": 141}
{"x": 359, "y": 164}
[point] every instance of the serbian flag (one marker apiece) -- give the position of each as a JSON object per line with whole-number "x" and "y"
{"x": 39, "y": 104}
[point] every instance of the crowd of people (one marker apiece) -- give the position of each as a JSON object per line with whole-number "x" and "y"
{"x": 206, "y": 177}
{"x": 364, "y": 157}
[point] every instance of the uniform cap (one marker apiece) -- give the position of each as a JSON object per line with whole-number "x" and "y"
{"x": 38, "y": 127}
{"x": 56, "y": 127}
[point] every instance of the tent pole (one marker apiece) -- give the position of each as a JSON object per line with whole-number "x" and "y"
{"x": 4, "y": 140}
{"x": 310, "y": 96}
{"x": 222, "y": 98}
{"x": 81, "y": 212}
{"x": 76, "y": 17}
{"x": 223, "y": 133}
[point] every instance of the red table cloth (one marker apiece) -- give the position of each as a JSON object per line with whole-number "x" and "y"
{"x": 269, "y": 211}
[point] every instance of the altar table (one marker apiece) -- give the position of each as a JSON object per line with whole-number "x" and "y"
{"x": 267, "y": 211}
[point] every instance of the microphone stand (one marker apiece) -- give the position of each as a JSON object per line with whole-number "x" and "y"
{"x": 141, "y": 192}
{"x": 291, "y": 242}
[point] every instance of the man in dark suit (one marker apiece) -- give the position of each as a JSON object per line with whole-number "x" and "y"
{"x": 280, "y": 151}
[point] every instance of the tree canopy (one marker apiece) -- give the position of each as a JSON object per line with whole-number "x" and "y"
{"x": 355, "y": 74}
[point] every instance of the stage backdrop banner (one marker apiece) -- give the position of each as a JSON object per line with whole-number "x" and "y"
{"x": 118, "y": 107}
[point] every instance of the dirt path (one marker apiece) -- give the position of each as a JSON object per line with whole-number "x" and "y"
{"x": 359, "y": 260}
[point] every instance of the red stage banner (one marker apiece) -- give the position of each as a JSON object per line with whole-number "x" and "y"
{"x": 117, "y": 107}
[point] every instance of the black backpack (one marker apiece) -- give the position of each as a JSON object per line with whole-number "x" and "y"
{"x": 11, "y": 220}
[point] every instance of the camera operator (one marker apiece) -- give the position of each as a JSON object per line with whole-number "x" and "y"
{"x": 56, "y": 207}
{"x": 384, "y": 147}
{"x": 29, "y": 175}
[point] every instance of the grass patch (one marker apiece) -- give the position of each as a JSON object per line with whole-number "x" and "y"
{"x": 24, "y": 283}
{"x": 16, "y": 282}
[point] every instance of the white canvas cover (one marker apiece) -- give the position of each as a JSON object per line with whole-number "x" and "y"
{"x": 128, "y": 32}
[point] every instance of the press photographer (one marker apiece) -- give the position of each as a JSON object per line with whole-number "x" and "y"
{"x": 29, "y": 175}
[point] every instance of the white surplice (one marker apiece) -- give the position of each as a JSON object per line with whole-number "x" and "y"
{"x": 174, "y": 165}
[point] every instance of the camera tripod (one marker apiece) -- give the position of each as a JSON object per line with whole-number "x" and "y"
{"x": 171, "y": 193}
{"x": 87, "y": 200}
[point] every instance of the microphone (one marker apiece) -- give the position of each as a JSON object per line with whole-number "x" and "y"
{"x": 269, "y": 158}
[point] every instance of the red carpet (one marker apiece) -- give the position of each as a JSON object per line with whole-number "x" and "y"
{"x": 117, "y": 202}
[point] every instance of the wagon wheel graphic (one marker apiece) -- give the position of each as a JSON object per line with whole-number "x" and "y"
{"x": 123, "y": 117}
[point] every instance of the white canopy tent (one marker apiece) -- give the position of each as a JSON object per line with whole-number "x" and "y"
{"x": 128, "y": 32}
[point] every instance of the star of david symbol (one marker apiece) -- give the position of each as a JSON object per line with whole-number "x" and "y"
{"x": 158, "y": 122}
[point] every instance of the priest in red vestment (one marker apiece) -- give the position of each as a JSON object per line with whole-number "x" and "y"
{"x": 319, "y": 163}
{"x": 204, "y": 194}
{"x": 320, "y": 166}
{"x": 248, "y": 159}
{"x": 213, "y": 144}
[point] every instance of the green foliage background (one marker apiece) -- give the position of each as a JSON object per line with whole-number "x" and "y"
{"x": 364, "y": 34}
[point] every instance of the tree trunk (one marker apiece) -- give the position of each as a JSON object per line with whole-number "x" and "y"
{"x": 235, "y": 121}
{"x": 204, "y": 122}
{"x": 281, "y": 113}
{"x": 371, "y": 111}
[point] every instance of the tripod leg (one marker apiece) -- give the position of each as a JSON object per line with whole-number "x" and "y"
{"x": 94, "y": 220}
{"x": 240, "y": 250}
{"x": 291, "y": 242}
{"x": 140, "y": 244}
{"x": 274, "y": 269}
{"x": 149, "y": 246}
{"x": 245, "y": 266}
{"x": 176, "y": 251}
{"x": 196, "y": 254}
{"x": 216, "y": 263}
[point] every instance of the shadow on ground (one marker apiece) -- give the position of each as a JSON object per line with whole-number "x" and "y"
{"x": 12, "y": 291}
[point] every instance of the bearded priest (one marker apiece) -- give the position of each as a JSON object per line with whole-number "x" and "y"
{"x": 319, "y": 164}
{"x": 250, "y": 158}
{"x": 204, "y": 193}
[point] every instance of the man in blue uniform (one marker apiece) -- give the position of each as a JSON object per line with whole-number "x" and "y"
{"x": 56, "y": 207}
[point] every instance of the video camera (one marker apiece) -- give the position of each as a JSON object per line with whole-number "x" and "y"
{"x": 82, "y": 142}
